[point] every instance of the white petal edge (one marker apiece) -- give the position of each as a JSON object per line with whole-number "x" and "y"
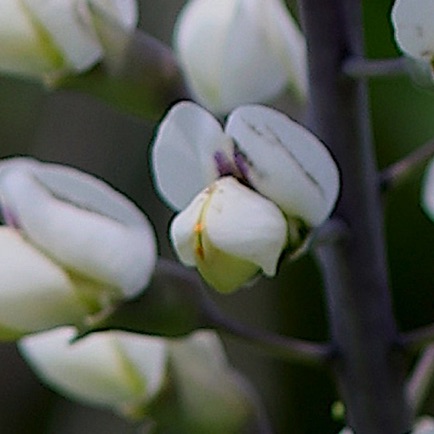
{"x": 414, "y": 31}
{"x": 182, "y": 229}
{"x": 183, "y": 153}
{"x": 286, "y": 163}
{"x": 114, "y": 247}
{"x": 35, "y": 293}
{"x": 114, "y": 369}
{"x": 427, "y": 199}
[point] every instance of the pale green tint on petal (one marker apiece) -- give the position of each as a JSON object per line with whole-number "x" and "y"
{"x": 183, "y": 153}
{"x": 104, "y": 369}
{"x": 414, "y": 29}
{"x": 427, "y": 199}
{"x": 222, "y": 271}
{"x": 286, "y": 163}
{"x": 24, "y": 48}
{"x": 200, "y": 42}
{"x": 116, "y": 252}
{"x": 211, "y": 394}
{"x": 244, "y": 224}
{"x": 69, "y": 24}
{"x": 35, "y": 293}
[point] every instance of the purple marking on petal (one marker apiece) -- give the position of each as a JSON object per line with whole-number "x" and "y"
{"x": 9, "y": 218}
{"x": 224, "y": 165}
{"x": 242, "y": 164}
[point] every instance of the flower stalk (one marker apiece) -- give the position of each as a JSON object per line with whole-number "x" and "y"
{"x": 368, "y": 368}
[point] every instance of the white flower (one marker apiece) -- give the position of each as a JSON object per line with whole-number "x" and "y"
{"x": 119, "y": 370}
{"x": 72, "y": 246}
{"x": 211, "y": 393}
{"x": 46, "y": 38}
{"x": 235, "y": 52}
{"x": 246, "y": 193}
{"x": 414, "y": 31}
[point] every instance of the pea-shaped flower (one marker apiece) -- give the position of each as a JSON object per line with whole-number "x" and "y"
{"x": 44, "y": 39}
{"x": 72, "y": 247}
{"x": 127, "y": 372}
{"x": 414, "y": 32}
{"x": 245, "y": 194}
{"x": 119, "y": 370}
{"x": 236, "y": 52}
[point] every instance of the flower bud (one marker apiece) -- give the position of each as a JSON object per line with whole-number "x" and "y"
{"x": 214, "y": 398}
{"x": 246, "y": 194}
{"x": 114, "y": 369}
{"x": 72, "y": 247}
{"x": 236, "y": 52}
{"x": 45, "y": 39}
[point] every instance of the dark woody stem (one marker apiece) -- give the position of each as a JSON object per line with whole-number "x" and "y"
{"x": 282, "y": 347}
{"x": 368, "y": 367}
{"x": 359, "y": 67}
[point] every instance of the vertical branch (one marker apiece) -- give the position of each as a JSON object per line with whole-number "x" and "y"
{"x": 368, "y": 368}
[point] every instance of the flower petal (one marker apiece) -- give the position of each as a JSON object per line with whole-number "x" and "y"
{"x": 427, "y": 199}
{"x": 23, "y": 49}
{"x": 106, "y": 368}
{"x": 35, "y": 293}
{"x": 229, "y": 232}
{"x": 414, "y": 31}
{"x": 285, "y": 162}
{"x": 251, "y": 69}
{"x": 200, "y": 33}
{"x": 183, "y": 154}
{"x": 245, "y": 224}
{"x": 80, "y": 222}
{"x": 68, "y": 23}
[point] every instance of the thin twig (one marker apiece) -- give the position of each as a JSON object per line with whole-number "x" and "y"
{"x": 420, "y": 382}
{"x": 396, "y": 172}
{"x": 286, "y": 348}
{"x": 419, "y": 338}
{"x": 359, "y": 67}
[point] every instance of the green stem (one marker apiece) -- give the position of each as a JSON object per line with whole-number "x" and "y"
{"x": 368, "y": 368}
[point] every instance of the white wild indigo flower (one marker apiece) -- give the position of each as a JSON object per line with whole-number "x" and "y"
{"x": 71, "y": 248}
{"x": 125, "y": 371}
{"x": 45, "y": 39}
{"x": 414, "y": 32}
{"x": 236, "y": 52}
{"x": 245, "y": 194}
{"x": 119, "y": 370}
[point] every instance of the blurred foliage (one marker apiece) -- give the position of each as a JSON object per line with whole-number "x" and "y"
{"x": 78, "y": 130}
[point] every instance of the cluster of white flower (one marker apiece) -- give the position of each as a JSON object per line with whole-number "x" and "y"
{"x": 72, "y": 247}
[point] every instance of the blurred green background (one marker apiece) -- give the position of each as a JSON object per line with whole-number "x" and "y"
{"x": 78, "y": 130}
